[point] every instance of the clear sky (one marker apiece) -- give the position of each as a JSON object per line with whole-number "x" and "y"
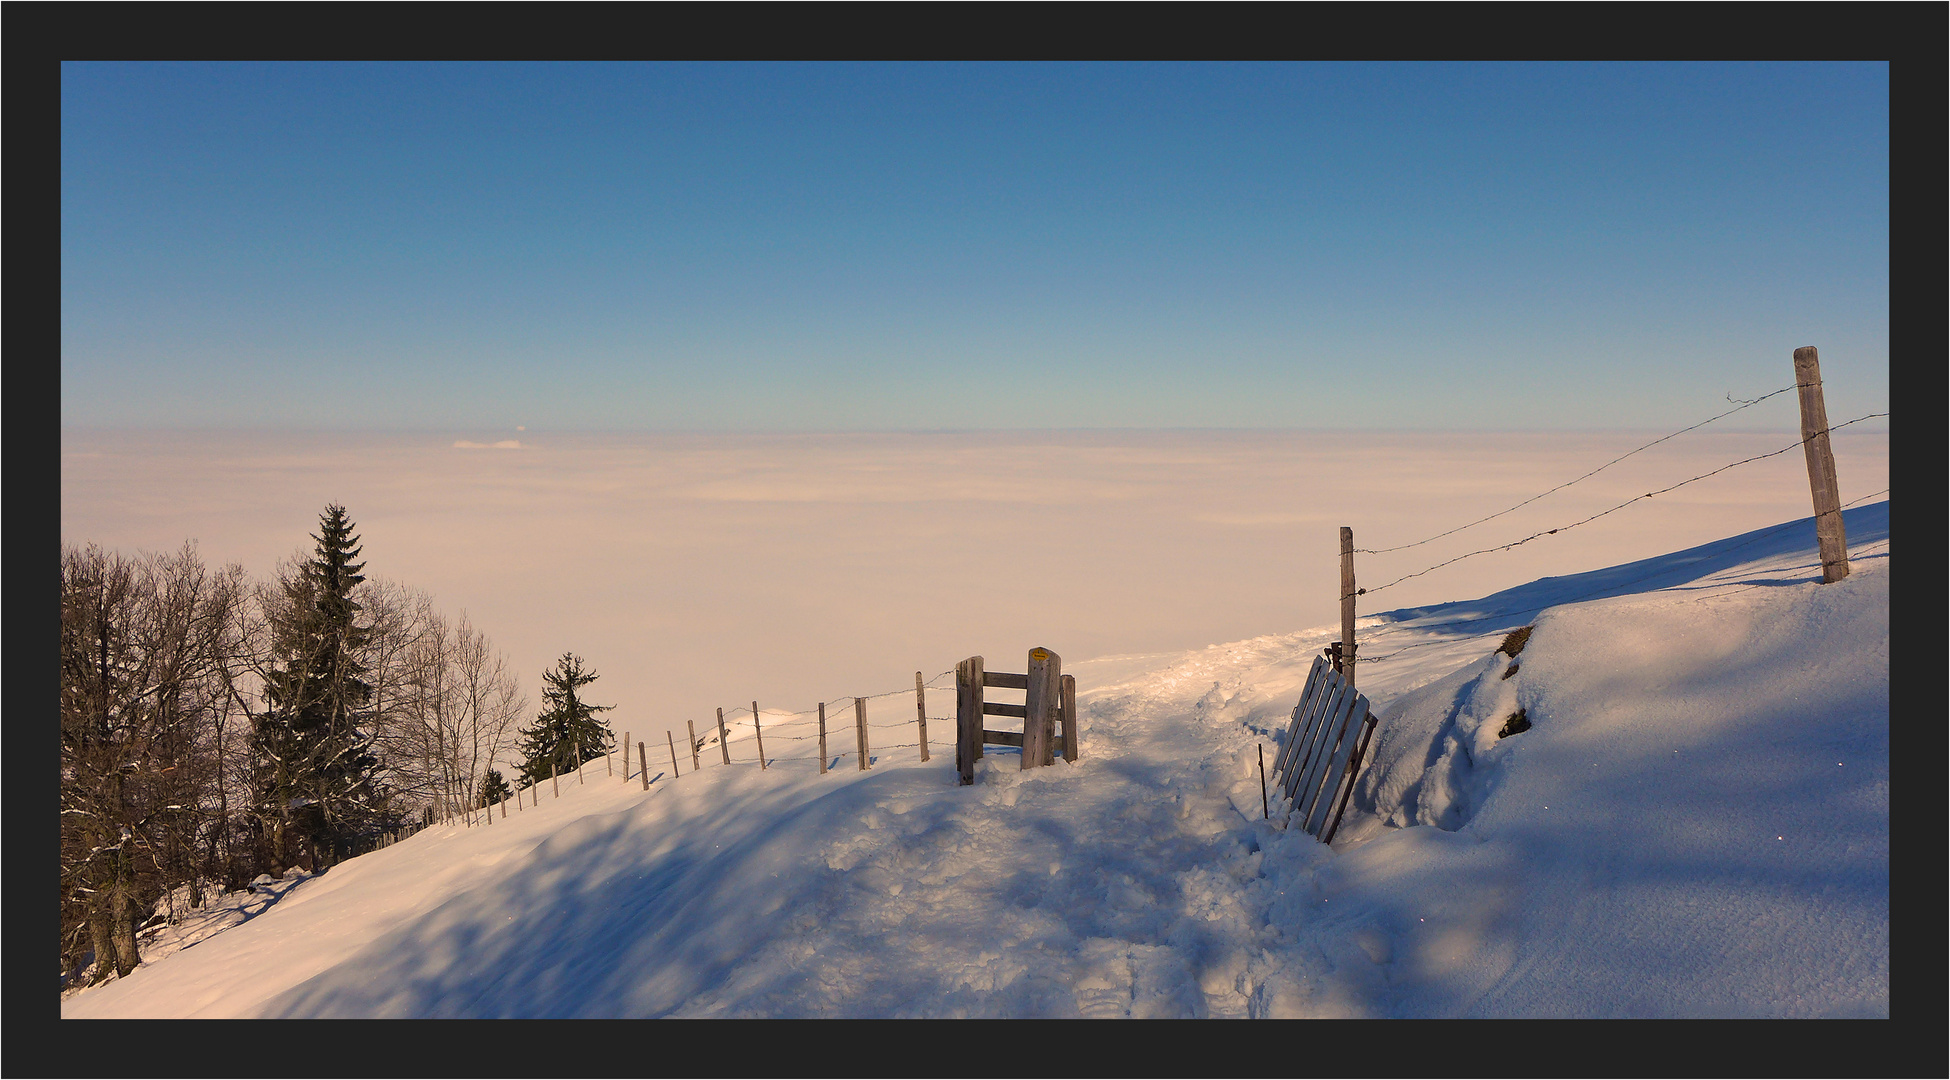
{"x": 866, "y": 247}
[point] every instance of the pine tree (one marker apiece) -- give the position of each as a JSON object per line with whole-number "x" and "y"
{"x": 494, "y": 789}
{"x": 316, "y": 777}
{"x": 567, "y": 733}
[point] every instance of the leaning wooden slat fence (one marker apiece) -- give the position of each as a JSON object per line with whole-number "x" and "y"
{"x": 1327, "y": 740}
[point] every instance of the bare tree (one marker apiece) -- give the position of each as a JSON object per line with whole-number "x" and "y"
{"x": 144, "y": 642}
{"x": 446, "y": 701}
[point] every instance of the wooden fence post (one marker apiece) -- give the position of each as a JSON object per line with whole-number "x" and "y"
{"x": 760, "y": 736}
{"x": 860, "y": 727}
{"x": 1347, "y": 603}
{"x": 724, "y": 739}
{"x": 691, "y": 726}
{"x": 921, "y": 712}
{"x": 1069, "y": 718}
{"x": 1039, "y": 706}
{"x": 609, "y": 756}
{"x": 1821, "y": 466}
{"x": 626, "y": 757}
{"x": 672, "y": 740}
{"x": 643, "y": 762}
{"x": 968, "y": 717}
{"x": 822, "y": 738}
{"x": 557, "y": 784}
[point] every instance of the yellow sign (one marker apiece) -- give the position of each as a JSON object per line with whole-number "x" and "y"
{"x": 1039, "y": 654}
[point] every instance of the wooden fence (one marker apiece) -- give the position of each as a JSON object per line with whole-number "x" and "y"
{"x": 1048, "y": 711}
{"x": 1325, "y": 744}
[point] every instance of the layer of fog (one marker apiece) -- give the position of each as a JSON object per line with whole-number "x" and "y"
{"x": 696, "y": 571}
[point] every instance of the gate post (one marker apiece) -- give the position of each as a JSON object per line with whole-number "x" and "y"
{"x": 968, "y": 717}
{"x": 1039, "y": 706}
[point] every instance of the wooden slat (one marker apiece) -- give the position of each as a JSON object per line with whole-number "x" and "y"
{"x": 1004, "y": 738}
{"x": 1347, "y": 785}
{"x": 1004, "y": 680}
{"x": 1001, "y": 708}
{"x": 1350, "y": 734}
{"x": 1320, "y": 775}
{"x": 1306, "y": 778}
{"x": 1287, "y": 749}
{"x": 1292, "y": 734}
{"x": 1332, "y": 690}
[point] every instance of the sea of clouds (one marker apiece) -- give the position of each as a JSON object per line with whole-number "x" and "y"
{"x": 693, "y": 571}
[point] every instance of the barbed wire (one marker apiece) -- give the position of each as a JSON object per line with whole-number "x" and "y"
{"x": 1620, "y": 506}
{"x": 1744, "y": 404}
{"x": 1506, "y": 617}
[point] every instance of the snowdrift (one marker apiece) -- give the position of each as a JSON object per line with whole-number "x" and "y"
{"x": 1694, "y": 823}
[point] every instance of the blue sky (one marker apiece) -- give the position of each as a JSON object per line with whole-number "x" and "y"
{"x": 861, "y": 247}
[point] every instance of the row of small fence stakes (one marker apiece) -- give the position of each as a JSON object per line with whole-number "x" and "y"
{"x": 862, "y": 750}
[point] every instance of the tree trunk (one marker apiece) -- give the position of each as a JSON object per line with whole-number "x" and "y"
{"x": 102, "y": 941}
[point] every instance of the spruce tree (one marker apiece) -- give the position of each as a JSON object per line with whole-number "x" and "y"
{"x": 567, "y": 733}
{"x": 316, "y": 776}
{"x": 494, "y": 789}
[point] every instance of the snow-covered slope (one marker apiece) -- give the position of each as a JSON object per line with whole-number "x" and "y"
{"x": 1695, "y": 823}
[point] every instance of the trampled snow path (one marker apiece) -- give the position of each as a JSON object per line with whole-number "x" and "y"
{"x": 1695, "y": 824}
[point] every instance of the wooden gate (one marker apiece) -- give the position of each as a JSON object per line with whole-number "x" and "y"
{"x": 1048, "y": 711}
{"x": 1325, "y": 744}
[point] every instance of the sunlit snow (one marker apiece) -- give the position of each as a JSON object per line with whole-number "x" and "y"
{"x": 1695, "y": 824}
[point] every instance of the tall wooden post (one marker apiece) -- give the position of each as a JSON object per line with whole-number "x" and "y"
{"x": 822, "y": 738}
{"x": 1821, "y": 466}
{"x": 1347, "y": 604}
{"x": 724, "y": 740}
{"x": 1039, "y": 706}
{"x": 760, "y": 735}
{"x": 968, "y": 717}
{"x": 626, "y": 757}
{"x": 921, "y": 712}
{"x": 691, "y": 726}
{"x": 672, "y": 740}
{"x": 860, "y": 727}
{"x": 643, "y": 762}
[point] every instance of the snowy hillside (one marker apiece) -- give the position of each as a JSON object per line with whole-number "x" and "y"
{"x": 1695, "y": 823}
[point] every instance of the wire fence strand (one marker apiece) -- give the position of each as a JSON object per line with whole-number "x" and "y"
{"x": 1620, "y": 506}
{"x": 1743, "y": 405}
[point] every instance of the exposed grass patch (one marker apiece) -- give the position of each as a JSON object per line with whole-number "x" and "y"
{"x": 1514, "y": 724}
{"x": 1514, "y": 642}
{"x": 1511, "y": 670}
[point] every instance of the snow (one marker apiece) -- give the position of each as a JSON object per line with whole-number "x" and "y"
{"x": 1695, "y": 824}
